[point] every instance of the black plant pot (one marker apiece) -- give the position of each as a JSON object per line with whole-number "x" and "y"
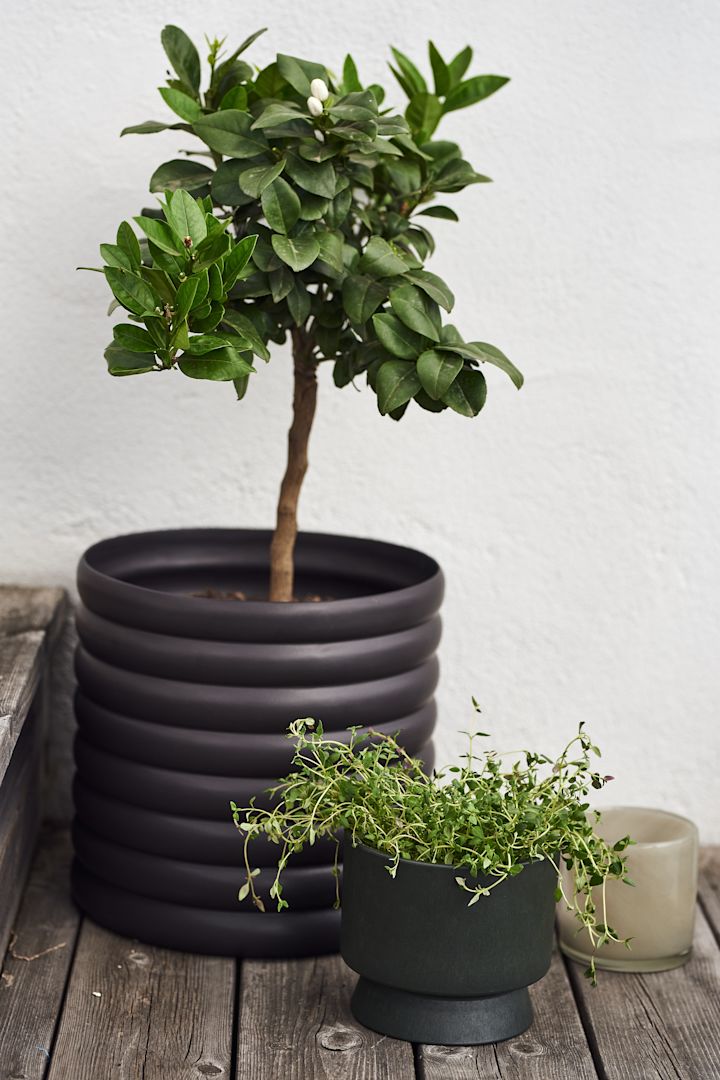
{"x": 434, "y": 970}
{"x": 183, "y": 702}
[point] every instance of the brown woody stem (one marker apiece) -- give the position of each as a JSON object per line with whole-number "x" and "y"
{"x": 282, "y": 549}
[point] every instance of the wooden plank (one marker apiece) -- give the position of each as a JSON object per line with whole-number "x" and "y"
{"x": 295, "y": 1024}
{"x": 554, "y": 1048}
{"x": 30, "y": 620}
{"x": 134, "y": 1011}
{"x": 710, "y": 887}
{"x": 663, "y": 1026}
{"x": 32, "y": 982}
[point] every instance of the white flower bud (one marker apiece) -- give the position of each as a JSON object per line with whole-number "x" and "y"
{"x": 319, "y": 90}
{"x": 315, "y": 106}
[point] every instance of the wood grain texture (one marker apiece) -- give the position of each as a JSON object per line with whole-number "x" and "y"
{"x": 554, "y": 1048}
{"x": 135, "y": 1011}
{"x": 661, "y": 1026}
{"x": 295, "y": 1024}
{"x": 30, "y": 620}
{"x": 34, "y": 973}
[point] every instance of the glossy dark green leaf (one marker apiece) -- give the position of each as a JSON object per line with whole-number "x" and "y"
{"x": 223, "y": 365}
{"x": 128, "y": 241}
{"x": 281, "y": 282}
{"x": 133, "y": 338}
{"x": 437, "y": 370}
{"x": 423, "y": 114}
{"x": 339, "y": 208}
{"x": 235, "y": 98}
{"x": 380, "y": 259}
{"x": 203, "y": 344}
{"x": 247, "y": 329}
{"x": 434, "y": 286}
{"x": 410, "y": 73}
{"x": 299, "y": 302}
{"x": 297, "y": 252}
{"x": 228, "y": 132}
{"x": 130, "y": 290}
{"x": 398, "y": 339}
{"x": 237, "y": 259}
{"x": 392, "y": 125}
{"x": 173, "y": 175}
{"x": 185, "y": 298}
{"x": 312, "y": 150}
{"x": 442, "y": 212}
{"x": 361, "y": 296}
{"x": 351, "y": 79}
{"x": 280, "y": 205}
{"x": 161, "y": 234}
{"x": 487, "y": 354}
{"x": 113, "y": 255}
{"x": 152, "y": 127}
{"x": 395, "y": 383}
{"x": 441, "y": 73}
{"x": 256, "y": 178}
{"x": 473, "y": 90}
{"x": 241, "y": 385}
{"x": 186, "y": 218}
{"x": 459, "y": 65}
{"x": 429, "y": 404}
{"x": 183, "y": 56}
{"x": 360, "y": 105}
{"x": 312, "y": 207}
{"x": 182, "y": 104}
{"x": 277, "y": 113}
{"x": 467, "y": 393}
{"x": 122, "y": 361}
{"x": 225, "y": 184}
{"x": 316, "y": 177}
{"x": 211, "y": 250}
{"x": 300, "y": 73}
{"x": 159, "y": 282}
{"x": 416, "y": 310}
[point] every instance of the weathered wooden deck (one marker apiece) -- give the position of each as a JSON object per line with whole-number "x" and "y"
{"x": 80, "y": 1003}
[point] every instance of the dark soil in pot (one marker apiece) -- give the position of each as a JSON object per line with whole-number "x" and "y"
{"x": 434, "y": 970}
{"x": 183, "y": 702}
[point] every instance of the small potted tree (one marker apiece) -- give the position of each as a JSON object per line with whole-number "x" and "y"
{"x": 449, "y": 883}
{"x": 301, "y": 216}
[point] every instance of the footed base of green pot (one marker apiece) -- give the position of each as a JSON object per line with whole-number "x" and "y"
{"x": 441, "y": 1020}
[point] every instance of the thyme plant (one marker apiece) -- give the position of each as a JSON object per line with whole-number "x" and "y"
{"x": 488, "y": 817}
{"x": 338, "y": 189}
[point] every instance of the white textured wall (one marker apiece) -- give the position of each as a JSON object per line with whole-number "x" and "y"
{"x": 578, "y": 520}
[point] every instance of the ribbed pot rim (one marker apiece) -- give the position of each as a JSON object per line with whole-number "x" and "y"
{"x": 103, "y": 589}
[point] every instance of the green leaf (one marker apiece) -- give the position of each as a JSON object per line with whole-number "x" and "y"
{"x": 441, "y": 73}
{"x": 437, "y": 371}
{"x": 487, "y": 354}
{"x": 280, "y": 205}
{"x": 443, "y": 212}
{"x": 151, "y": 127}
{"x": 237, "y": 260}
{"x": 161, "y": 234}
{"x": 298, "y": 252}
{"x": 206, "y": 343}
{"x": 426, "y": 402}
{"x": 281, "y": 283}
{"x": 183, "y": 56}
{"x": 312, "y": 207}
{"x": 247, "y": 329}
{"x": 351, "y": 79}
{"x": 133, "y": 338}
{"x": 316, "y": 177}
{"x": 299, "y": 302}
{"x": 228, "y": 132}
{"x": 397, "y": 338}
{"x": 395, "y": 383}
{"x": 211, "y": 250}
{"x": 434, "y": 286}
{"x": 130, "y": 290}
{"x": 361, "y": 296}
{"x": 331, "y": 250}
{"x": 459, "y": 65}
{"x": 410, "y": 73}
{"x": 300, "y": 73}
{"x": 241, "y": 385}
{"x": 473, "y": 90}
{"x": 279, "y": 112}
{"x": 236, "y": 98}
{"x": 254, "y": 180}
{"x": 121, "y": 361}
{"x": 185, "y": 298}
{"x": 173, "y": 175}
{"x": 113, "y": 255}
{"x": 416, "y": 310}
{"x": 380, "y": 259}
{"x": 225, "y": 184}
{"x": 360, "y": 106}
{"x": 423, "y": 114}
{"x": 467, "y": 393}
{"x": 312, "y": 150}
{"x": 128, "y": 241}
{"x": 186, "y": 218}
{"x": 222, "y": 365}
{"x": 185, "y": 107}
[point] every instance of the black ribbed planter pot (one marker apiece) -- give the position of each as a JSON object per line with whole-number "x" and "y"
{"x": 183, "y": 702}
{"x": 432, "y": 969}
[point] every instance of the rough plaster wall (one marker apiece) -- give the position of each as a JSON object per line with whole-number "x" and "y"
{"x": 578, "y": 520}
